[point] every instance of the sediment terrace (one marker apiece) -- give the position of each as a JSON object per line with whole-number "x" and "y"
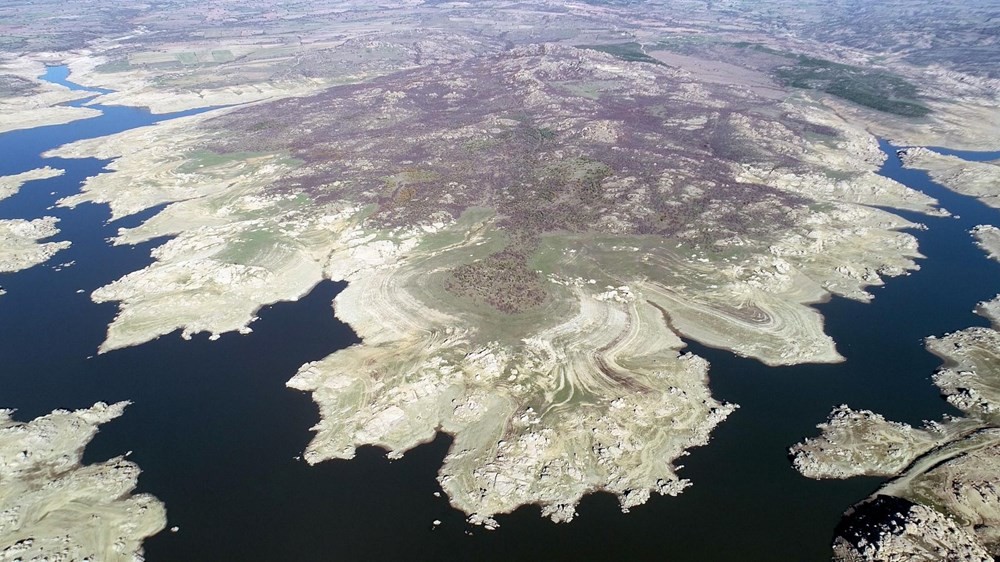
{"x": 54, "y": 508}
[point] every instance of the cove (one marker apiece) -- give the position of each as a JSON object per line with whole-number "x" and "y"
{"x": 217, "y": 434}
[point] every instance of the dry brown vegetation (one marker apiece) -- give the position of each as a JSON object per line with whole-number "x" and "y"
{"x": 505, "y": 133}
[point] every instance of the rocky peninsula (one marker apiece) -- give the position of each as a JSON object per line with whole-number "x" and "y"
{"x": 27, "y": 102}
{"x": 21, "y": 243}
{"x": 54, "y": 508}
{"x": 976, "y": 179}
{"x": 10, "y": 185}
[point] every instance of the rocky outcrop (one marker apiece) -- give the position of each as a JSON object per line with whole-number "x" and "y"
{"x": 20, "y": 246}
{"x": 889, "y": 529}
{"x": 988, "y": 238}
{"x": 947, "y": 469}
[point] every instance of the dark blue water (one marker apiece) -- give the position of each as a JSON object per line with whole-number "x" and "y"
{"x": 216, "y": 432}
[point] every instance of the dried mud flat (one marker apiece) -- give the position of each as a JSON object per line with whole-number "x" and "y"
{"x": 54, "y": 508}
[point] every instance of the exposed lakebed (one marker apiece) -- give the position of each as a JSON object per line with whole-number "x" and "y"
{"x": 216, "y": 432}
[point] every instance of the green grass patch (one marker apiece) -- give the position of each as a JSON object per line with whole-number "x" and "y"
{"x": 589, "y": 90}
{"x": 631, "y": 52}
{"x": 686, "y": 44}
{"x": 114, "y": 65}
{"x": 223, "y": 55}
{"x": 201, "y": 159}
{"x": 166, "y": 66}
{"x": 762, "y": 49}
{"x": 472, "y": 219}
{"x": 409, "y": 178}
{"x": 258, "y": 247}
{"x": 187, "y": 59}
{"x": 840, "y": 175}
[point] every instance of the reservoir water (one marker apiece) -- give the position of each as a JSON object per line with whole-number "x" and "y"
{"x": 217, "y": 434}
